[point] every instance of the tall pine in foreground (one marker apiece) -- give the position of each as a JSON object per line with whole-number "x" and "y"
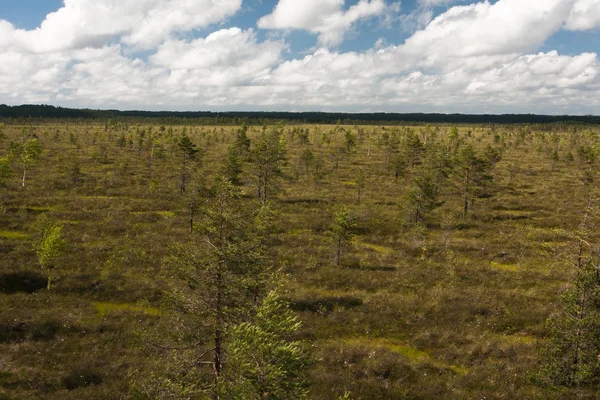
{"x": 264, "y": 363}
{"x": 573, "y": 356}
{"x": 218, "y": 311}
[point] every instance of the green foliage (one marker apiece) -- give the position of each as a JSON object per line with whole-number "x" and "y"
{"x": 268, "y": 155}
{"x": 307, "y": 158}
{"x": 224, "y": 271}
{"x": 572, "y": 358}
{"x": 398, "y": 164}
{"x": 494, "y": 155}
{"x": 588, "y": 154}
{"x": 187, "y": 148}
{"x": 29, "y": 154}
{"x": 303, "y": 136}
{"x": 189, "y": 152}
{"x": 472, "y": 174}
{"x": 122, "y": 141}
{"x": 233, "y": 166}
{"x": 342, "y": 230}
{"x": 264, "y": 363}
{"x": 453, "y": 136}
{"x": 5, "y": 171}
{"x": 242, "y": 141}
{"x": 350, "y": 142}
{"x": 414, "y": 148}
{"x": 423, "y": 195}
{"x": 49, "y": 244}
{"x": 73, "y": 171}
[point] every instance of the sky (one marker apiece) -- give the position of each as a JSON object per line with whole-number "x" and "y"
{"x": 501, "y": 56}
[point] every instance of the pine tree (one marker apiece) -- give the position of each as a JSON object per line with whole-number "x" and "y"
{"x": 216, "y": 279}
{"x": 5, "y": 171}
{"x": 188, "y": 153}
{"x": 573, "y": 356}
{"x": 242, "y": 142}
{"x": 342, "y": 230}
{"x": 472, "y": 174}
{"x": 233, "y": 166}
{"x": 264, "y": 363}
{"x": 307, "y": 158}
{"x": 423, "y": 196}
{"x": 267, "y": 156}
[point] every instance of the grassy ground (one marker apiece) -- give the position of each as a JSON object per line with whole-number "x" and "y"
{"x": 454, "y": 308}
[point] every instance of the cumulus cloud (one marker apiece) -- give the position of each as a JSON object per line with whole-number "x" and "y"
{"x": 508, "y": 27}
{"x": 585, "y": 15}
{"x": 224, "y": 58}
{"x": 481, "y": 57}
{"x": 140, "y": 23}
{"x": 327, "y": 18}
{"x": 330, "y": 79}
{"x": 433, "y": 3}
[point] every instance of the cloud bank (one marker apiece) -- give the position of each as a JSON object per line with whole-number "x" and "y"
{"x": 472, "y": 58}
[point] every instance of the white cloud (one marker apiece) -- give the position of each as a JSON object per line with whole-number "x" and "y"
{"x": 585, "y": 15}
{"x": 481, "y": 57}
{"x": 422, "y": 15}
{"x": 327, "y": 79}
{"x": 327, "y": 18}
{"x": 508, "y": 27}
{"x": 530, "y": 73}
{"x": 225, "y": 58}
{"x": 140, "y": 23}
{"x": 433, "y": 3}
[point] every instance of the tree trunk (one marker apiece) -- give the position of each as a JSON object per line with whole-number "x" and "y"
{"x": 218, "y": 339}
{"x": 418, "y": 211}
{"x": 183, "y": 177}
{"x": 467, "y": 185}
{"x": 191, "y": 219}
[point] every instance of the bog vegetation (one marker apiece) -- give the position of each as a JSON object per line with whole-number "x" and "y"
{"x": 299, "y": 261}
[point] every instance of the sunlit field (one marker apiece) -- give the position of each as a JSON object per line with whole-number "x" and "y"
{"x": 460, "y": 244}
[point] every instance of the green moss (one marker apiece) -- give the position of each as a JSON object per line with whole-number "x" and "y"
{"x": 413, "y": 354}
{"x": 504, "y": 267}
{"x": 377, "y": 248}
{"x": 105, "y": 308}
{"x": 15, "y": 235}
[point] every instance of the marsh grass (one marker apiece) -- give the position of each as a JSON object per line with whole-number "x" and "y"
{"x": 452, "y": 308}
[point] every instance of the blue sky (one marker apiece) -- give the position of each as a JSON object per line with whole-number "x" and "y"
{"x": 353, "y": 55}
{"x": 29, "y": 14}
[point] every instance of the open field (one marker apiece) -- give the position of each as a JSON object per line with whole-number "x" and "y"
{"x": 453, "y": 306}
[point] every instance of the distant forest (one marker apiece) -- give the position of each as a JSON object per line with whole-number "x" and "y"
{"x": 256, "y": 118}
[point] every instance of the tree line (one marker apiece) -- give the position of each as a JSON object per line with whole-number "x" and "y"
{"x": 23, "y": 112}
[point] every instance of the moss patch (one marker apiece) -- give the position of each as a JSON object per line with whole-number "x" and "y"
{"x": 105, "y": 308}
{"x": 14, "y": 235}
{"x": 504, "y": 267}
